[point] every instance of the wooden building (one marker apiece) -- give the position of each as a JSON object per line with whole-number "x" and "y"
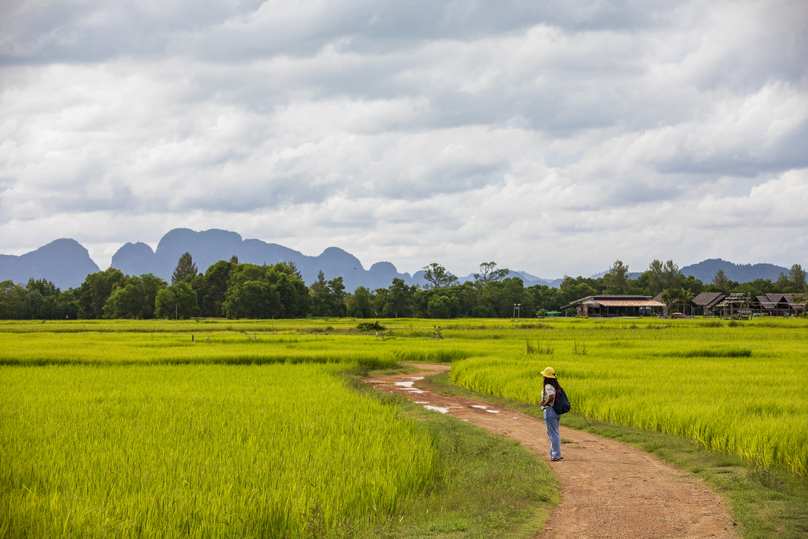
{"x": 607, "y": 306}
{"x": 737, "y": 304}
{"x": 778, "y": 305}
{"x": 706, "y": 301}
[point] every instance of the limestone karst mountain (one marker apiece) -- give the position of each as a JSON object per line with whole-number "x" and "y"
{"x": 64, "y": 262}
{"x": 67, "y": 263}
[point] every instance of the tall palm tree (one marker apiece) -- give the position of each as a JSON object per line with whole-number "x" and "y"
{"x": 685, "y": 296}
{"x": 669, "y": 298}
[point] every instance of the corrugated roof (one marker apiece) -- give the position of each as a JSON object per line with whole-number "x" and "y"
{"x": 765, "y": 303}
{"x": 708, "y": 299}
{"x": 735, "y": 298}
{"x": 629, "y": 303}
{"x": 601, "y": 298}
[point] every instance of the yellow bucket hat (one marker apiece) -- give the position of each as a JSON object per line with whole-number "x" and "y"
{"x": 549, "y": 372}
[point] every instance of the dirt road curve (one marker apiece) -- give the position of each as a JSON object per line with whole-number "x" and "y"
{"x": 609, "y": 490}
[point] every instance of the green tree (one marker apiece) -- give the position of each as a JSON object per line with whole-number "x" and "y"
{"x": 440, "y": 307}
{"x": 673, "y": 297}
{"x": 617, "y": 279}
{"x": 44, "y": 287}
{"x": 501, "y": 296}
{"x": 721, "y": 280}
{"x": 692, "y": 285}
{"x": 293, "y": 270}
{"x": 95, "y": 290}
{"x": 125, "y": 301}
{"x": 437, "y": 277}
{"x": 137, "y": 298}
{"x": 40, "y": 300}
{"x": 489, "y": 274}
{"x": 211, "y": 287}
{"x": 379, "y": 301}
{"x": 796, "y": 277}
{"x": 336, "y": 297}
{"x": 178, "y": 300}
{"x": 576, "y": 288}
{"x": 320, "y": 299}
{"x": 328, "y": 297}
{"x": 185, "y": 268}
{"x": 11, "y": 296}
{"x": 293, "y": 293}
{"x": 254, "y": 299}
{"x": 67, "y": 304}
{"x": 669, "y": 298}
{"x": 359, "y": 304}
{"x": 544, "y": 298}
{"x": 399, "y": 302}
{"x": 662, "y": 276}
{"x": 265, "y": 292}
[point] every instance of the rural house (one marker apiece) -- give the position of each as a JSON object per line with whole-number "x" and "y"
{"x": 778, "y": 304}
{"x": 605, "y": 306}
{"x": 706, "y": 301}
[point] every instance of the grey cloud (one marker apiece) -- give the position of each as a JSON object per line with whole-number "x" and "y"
{"x": 261, "y": 194}
{"x": 96, "y": 31}
{"x": 441, "y": 179}
{"x": 743, "y": 159}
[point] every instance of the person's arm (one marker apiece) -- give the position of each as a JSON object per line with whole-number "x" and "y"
{"x": 549, "y": 399}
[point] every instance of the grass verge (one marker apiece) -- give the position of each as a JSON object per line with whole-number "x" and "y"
{"x": 489, "y": 486}
{"x": 766, "y": 503}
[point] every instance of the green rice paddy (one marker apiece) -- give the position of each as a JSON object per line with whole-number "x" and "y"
{"x": 127, "y": 428}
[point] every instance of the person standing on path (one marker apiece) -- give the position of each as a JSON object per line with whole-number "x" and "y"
{"x": 550, "y": 389}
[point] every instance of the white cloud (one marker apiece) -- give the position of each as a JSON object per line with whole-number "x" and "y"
{"x": 552, "y": 138}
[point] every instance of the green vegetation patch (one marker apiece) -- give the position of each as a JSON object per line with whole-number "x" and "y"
{"x": 721, "y": 352}
{"x": 200, "y": 451}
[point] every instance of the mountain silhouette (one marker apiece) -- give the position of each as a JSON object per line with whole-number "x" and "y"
{"x": 210, "y": 246}
{"x": 64, "y": 262}
{"x": 67, "y": 263}
{"x": 741, "y": 273}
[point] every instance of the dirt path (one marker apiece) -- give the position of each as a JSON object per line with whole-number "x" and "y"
{"x": 608, "y": 489}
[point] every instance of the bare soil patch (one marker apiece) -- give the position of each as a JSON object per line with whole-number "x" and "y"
{"x": 609, "y": 490}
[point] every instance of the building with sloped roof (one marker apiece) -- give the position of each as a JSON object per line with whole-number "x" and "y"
{"x": 609, "y": 306}
{"x": 706, "y": 301}
{"x": 777, "y": 304}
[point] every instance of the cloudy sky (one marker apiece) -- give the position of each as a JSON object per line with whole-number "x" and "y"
{"x": 551, "y": 137}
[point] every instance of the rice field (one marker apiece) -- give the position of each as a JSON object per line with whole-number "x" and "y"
{"x": 200, "y": 451}
{"x": 215, "y": 428}
{"x": 741, "y": 389}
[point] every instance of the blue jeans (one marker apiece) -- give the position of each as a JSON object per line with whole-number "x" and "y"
{"x": 551, "y": 421}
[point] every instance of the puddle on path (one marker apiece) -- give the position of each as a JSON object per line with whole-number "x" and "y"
{"x": 437, "y": 409}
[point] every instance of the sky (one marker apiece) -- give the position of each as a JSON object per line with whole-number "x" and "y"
{"x": 550, "y": 137}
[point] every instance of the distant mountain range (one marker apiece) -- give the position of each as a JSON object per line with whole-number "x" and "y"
{"x": 67, "y": 263}
{"x": 705, "y": 271}
{"x": 740, "y": 273}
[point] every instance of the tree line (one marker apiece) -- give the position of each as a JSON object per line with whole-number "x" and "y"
{"x": 228, "y": 289}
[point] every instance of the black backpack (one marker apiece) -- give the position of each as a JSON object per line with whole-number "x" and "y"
{"x": 562, "y": 403}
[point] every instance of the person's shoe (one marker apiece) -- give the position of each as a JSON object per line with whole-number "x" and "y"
{"x": 559, "y": 458}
